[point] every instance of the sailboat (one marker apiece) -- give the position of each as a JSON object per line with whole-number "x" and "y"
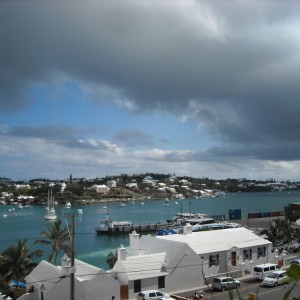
{"x": 122, "y": 203}
{"x": 4, "y": 213}
{"x": 51, "y": 215}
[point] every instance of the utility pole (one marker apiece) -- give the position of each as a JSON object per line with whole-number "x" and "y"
{"x": 72, "y": 285}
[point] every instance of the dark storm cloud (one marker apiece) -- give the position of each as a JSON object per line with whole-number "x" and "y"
{"x": 45, "y": 132}
{"x": 237, "y": 61}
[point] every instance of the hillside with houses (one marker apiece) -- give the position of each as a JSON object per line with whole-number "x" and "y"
{"x": 138, "y": 186}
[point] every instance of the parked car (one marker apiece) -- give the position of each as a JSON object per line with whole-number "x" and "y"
{"x": 295, "y": 261}
{"x": 276, "y": 278}
{"x": 223, "y": 283}
{"x": 152, "y": 295}
{"x": 260, "y": 271}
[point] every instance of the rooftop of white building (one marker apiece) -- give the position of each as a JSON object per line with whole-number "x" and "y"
{"x": 218, "y": 240}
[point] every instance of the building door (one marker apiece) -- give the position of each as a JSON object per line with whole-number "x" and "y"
{"x": 233, "y": 258}
{"x": 124, "y": 291}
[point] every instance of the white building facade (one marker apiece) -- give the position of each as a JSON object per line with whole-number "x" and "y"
{"x": 50, "y": 282}
{"x": 183, "y": 262}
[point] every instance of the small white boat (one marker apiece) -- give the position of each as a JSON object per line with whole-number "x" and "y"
{"x": 20, "y": 206}
{"x": 51, "y": 214}
{"x": 4, "y": 213}
{"x": 79, "y": 211}
{"x": 167, "y": 202}
{"x": 12, "y": 212}
{"x": 68, "y": 205}
{"x": 122, "y": 203}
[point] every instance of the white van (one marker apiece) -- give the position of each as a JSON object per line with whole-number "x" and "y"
{"x": 260, "y": 271}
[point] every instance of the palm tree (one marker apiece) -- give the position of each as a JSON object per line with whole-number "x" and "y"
{"x": 271, "y": 233}
{"x": 16, "y": 262}
{"x": 58, "y": 238}
{"x": 280, "y": 230}
{"x": 112, "y": 258}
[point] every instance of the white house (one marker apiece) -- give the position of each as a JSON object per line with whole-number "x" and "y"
{"x": 111, "y": 184}
{"x": 102, "y": 189}
{"x": 132, "y": 185}
{"x": 50, "y": 282}
{"x": 183, "y": 262}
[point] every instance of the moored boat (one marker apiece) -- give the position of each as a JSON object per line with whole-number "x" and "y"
{"x": 51, "y": 214}
{"x": 109, "y": 226}
{"x": 68, "y": 205}
{"x": 183, "y": 216}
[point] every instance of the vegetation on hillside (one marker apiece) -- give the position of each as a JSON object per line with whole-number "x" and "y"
{"x": 76, "y": 189}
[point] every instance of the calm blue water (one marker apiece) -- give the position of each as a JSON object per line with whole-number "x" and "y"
{"x": 93, "y": 248}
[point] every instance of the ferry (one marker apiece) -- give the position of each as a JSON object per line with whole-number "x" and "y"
{"x": 109, "y": 226}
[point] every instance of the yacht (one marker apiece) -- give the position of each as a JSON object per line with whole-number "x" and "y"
{"x": 68, "y": 205}
{"x": 51, "y": 214}
{"x": 109, "y": 226}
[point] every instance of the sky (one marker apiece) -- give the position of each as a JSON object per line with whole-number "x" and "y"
{"x": 205, "y": 88}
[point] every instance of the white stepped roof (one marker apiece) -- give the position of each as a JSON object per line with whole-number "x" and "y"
{"x": 50, "y": 274}
{"x": 45, "y": 273}
{"x": 86, "y": 271}
{"x": 144, "y": 266}
{"x": 150, "y": 245}
{"x": 218, "y": 240}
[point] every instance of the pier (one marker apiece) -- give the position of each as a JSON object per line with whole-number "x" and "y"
{"x": 139, "y": 228}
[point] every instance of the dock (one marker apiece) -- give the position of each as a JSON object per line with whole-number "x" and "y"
{"x": 139, "y": 228}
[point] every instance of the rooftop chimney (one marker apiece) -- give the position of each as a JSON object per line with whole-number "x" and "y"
{"x": 187, "y": 229}
{"x": 121, "y": 253}
{"x": 134, "y": 239}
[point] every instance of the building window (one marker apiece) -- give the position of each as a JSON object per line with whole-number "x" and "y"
{"x": 261, "y": 252}
{"x": 214, "y": 260}
{"x": 247, "y": 254}
{"x": 161, "y": 282}
{"x": 137, "y": 286}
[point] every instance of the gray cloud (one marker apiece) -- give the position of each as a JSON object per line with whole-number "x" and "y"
{"x": 231, "y": 68}
{"x": 45, "y": 132}
{"x": 134, "y": 138}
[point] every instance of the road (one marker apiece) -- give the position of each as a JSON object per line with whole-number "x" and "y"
{"x": 251, "y": 286}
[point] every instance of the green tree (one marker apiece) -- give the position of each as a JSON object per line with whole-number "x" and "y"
{"x": 16, "y": 261}
{"x": 112, "y": 259}
{"x": 58, "y": 238}
{"x": 280, "y": 230}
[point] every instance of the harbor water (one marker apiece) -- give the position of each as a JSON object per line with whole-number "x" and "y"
{"x": 93, "y": 248}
